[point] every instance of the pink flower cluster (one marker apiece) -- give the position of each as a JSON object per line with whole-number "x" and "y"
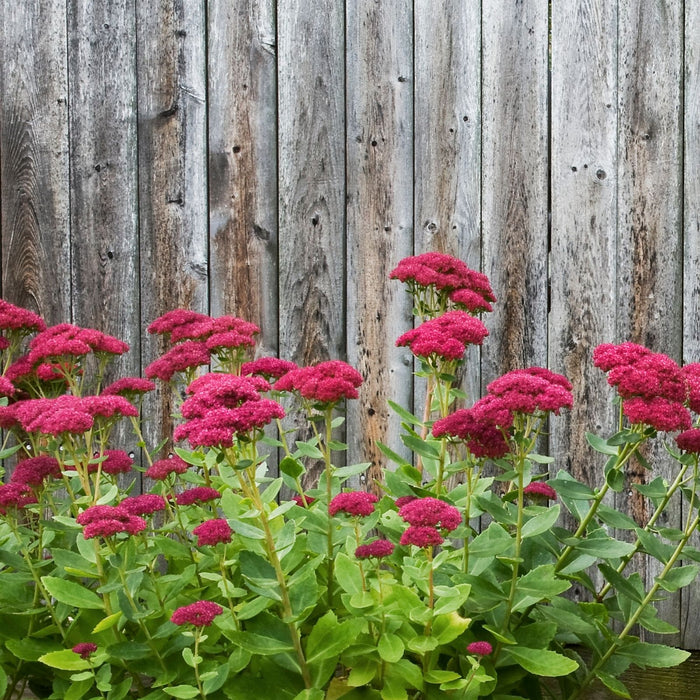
{"x": 197, "y": 494}
{"x": 540, "y": 488}
{"x": 163, "y": 468}
{"x": 35, "y": 470}
{"x": 653, "y": 387}
{"x": 15, "y": 495}
{"x": 224, "y": 331}
{"x": 115, "y": 462}
{"x": 326, "y": 382}
{"x": 425, "y": 516}
{"x": 468, "y": 289}
{"x": 532, "y": 390}
{"x": 360, "y": 503}
{"x": 480, "y": 648}
{"x": 689, "y": 440}
{"x": 106, "y": 521}
{"x": 221, "y": 406}
{"x": 268, "y": 367}
{"x": 446, "y": 336}
{"x": 200, "y": 614}
{"x": 129, "y": 387}
{"x": 14, "y": 318}
{"x": 144, "y": 504}
{"x": 85, "y": 649}
{"x": 187, "y": 355}
{"x": 377, "y": 549}
{"x": 212, "y": 532}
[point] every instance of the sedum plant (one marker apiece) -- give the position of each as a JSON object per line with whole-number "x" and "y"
{"x": 448, "y": 579}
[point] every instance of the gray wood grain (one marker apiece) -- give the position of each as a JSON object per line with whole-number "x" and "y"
{"x": 583, "y": 226}
{"x": 649, "y": 293}
{"x": 515, "y": 183}
{"x": 103, "y": 177}
{"x": 34, "y": 167}
{"x": 173, "y": 209}
{"x": 379, "y": 218}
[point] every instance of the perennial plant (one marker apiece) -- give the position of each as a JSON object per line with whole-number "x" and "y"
{"x": 449, "y": 578}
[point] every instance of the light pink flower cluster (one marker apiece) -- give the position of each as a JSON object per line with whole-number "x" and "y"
{"x": 144, "y": 504}
{"x": 200, "y": 614}
{"x": 532, "y": 390}
{"x": 106, "y": 521}
{"x": 35, "y": 470}
{"x": 653, "y": 387}
{"x": 377, "y": 549}
{"x": 212, "y": 532}
{"x": 222, "y": 406}
{"x": 446, "y": 336}
{"x": 360, "y": 503}
{"x": 326, "y": 382}
{"x": 163, "y": 468}
{"x": 468, "y": 289}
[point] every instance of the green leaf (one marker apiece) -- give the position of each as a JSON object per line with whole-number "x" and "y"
{"x": 405, "y": 415}
{"x": 615, "y": 519}
{"x": 542, "y": 662}
{"x": 30, "y": 649}
{"x": 362, "y": 672}
{"x": 420, "y": 447}
{"x": 261, "y": 644}
{"x": 307, "y": 450}
{"x": 538, "y": 584}
{"x": 393, "y": 456}
{"x": 653, "y": 545}
{"x": 181, "y": 691}
{"x": 678, "y": 577}
{"x": 600, "y": 445}
{"x": 614, "y": 684}
{"x": 438, "y": 676}
{"x": 71, "y": 593}
{"x": 3, "y": 681}
{"x": 621, "y": 584}
{"x": 65, "y": 660}
{"x": 351, "y": 470}
{"x": 450, "y": 599}
{"x": 329, "y": 638}
{"x": 390, "y": 647}
{"x": 106, "y": 623}
{"x": 541, "y": 522}
{"x": 653, "y": 655}
{"x": 448, "y": 627}
{"x": 347, "y": 574}
{"x": 600, "y": 545}
{"x": 292, "y": 467}
{"x": 245, "y": 530}
{"x": 215, "y": 682}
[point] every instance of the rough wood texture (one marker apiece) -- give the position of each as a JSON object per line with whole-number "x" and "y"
{"x": 447, "y": 141}
{"x": 649, "y": 293}
{"x": 34, "y": 189}
{"x": 690, "y": 598}
{"x": 173, "y": 223}
{"x": 583, "y": 225}
{"x": 243, "y": 163}
{"x": 515, "y": 183}
{"x": 380, "y": 216}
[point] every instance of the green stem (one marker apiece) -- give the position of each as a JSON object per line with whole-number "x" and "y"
{"x": 197, "y": 634}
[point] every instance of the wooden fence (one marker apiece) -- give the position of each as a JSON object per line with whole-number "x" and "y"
{"x": 274, "y": 159}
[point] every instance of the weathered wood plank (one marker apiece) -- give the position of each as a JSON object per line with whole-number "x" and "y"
{"x": 173, "y": 213}
{"x": 584, "y": 222}
{"x": 243, "y": 163}
{"x": 690, "y": 598}
{"x": 104, "y": 189}
{"x": 447, "y": 140}
{"x": 650, "y": 213}
{"x": 379, "y": 217}
{"x": 34, "y": 192}
{"x": 515, "y": 182}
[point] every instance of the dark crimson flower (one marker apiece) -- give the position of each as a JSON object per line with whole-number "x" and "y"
{"x": 540, "y": 488}
{"x": 326, "y": 382}
{"x": 199, "y": 614}
{"x": 657, "y": 412}
{"x": 198, "y": 494}
{"x": 268, "y": 367}
{"x": 34, "y": 470}
{"x": 15, "y": 495}
{"x": 403, "y": 500}
{"x": 102, "y": 512}
{"x": 377, "y": 549}
{"x": 144, "y": 504}
{"x": 353, "y": 503}
{"x": 7, "y": 388}
{"x": 531, "y": 390}
{"x": 4, "y": 343}
{"x": 163, "y": 468}
{"x": 689, "y": 440}
{"x": 691, "y": 374}
{"x": 116, "y": 462}
{"x": 431, "y": 511}
{"x": 85, "y": 649}
{"x": 107, "y": 528}
{"x": 446, "y": 336}
{"x": 187, "y": 355}
{"x": 300, "y": 501}
{"x": 109, "y": 406}
{"x": 212, "y": 532}
{"x": 480, "y": 648}
{"x": 421, "y": 536}
{"x": 607, "y": 355}
{"x": 15, "y": 318}
{"x": 129, "y": 387}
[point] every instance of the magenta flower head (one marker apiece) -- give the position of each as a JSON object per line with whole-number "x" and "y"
{"x": 106, "y": 521}
{"x": 85, "y": 649}
{"x": 689, "y": 440}
{"x": 198, "y": 494}
{"x": 145, "y": 504}
{"x": 15, "y": 495}
{"x": 377, "y": 549}
{"x": 115, "y": 462}
{"x": 15, "y": 318}
{"x": 327, "y": 382}
{"x": 532, "y": 390}
{"x": 212, "y": 532}
{"x": 129, "y": 387}
{"x": 658, "y": 413}
{"x": 199, "y": 614}
{"x": 268, "y": 367}
{"x": 422, "y": 536}
{"x": 540, "y": 488}
{"x": 403, "y": 500}
{"x": 431, "y": 512}
{"x": 300, "y": 501}
{"x": 7, "y": 388}
{"x": 358, "y": 503}
{"x": 163, "y": 468}
{"x": 480, "y": 648}
{"x": 35, "y": 470}
{"x": 187, "y": 355}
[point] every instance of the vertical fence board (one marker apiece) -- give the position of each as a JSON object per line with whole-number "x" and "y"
{"x": 104, "y": 179}
{"x": 380, "y": 216}
{"x": 583, "y": 233}
{"x": 649, "y": 173}
{"x": 515, "y": 182}
{"x": 243, "y": 163}
{"x": 447, "y": 138}
{"x": 172, "y": 176}
{"x": 690, "y": 597}
{"x": 34, "y": 190}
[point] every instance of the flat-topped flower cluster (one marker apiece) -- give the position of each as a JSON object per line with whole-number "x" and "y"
{"x": 226, "y": 578}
